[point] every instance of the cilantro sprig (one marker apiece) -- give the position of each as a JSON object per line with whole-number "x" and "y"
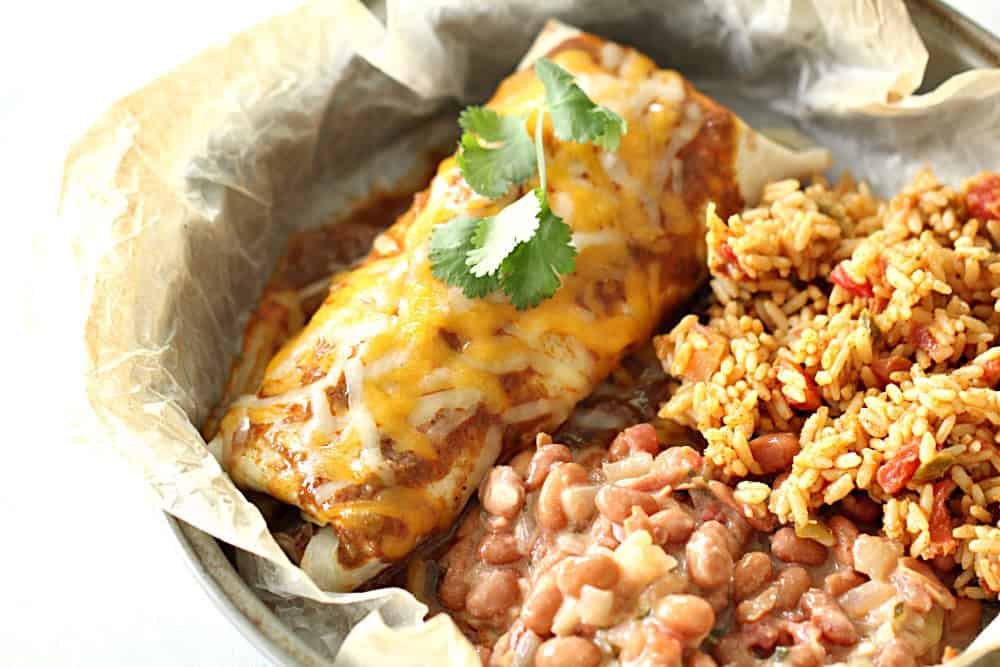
{"x": 507, "y": 158}
{"x": 525, "y": 248}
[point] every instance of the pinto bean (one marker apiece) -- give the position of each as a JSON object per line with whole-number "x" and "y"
{"x": 757, "y": 607}
{"x": 498, "y": 524}
{"x": 616, "y": 502}
{"x": 751, "y": 574}
{"x": 791, "y": 548}
{"x": 568, "y": 652}
{"x": 827, "y": 615}
{"x": 966, "y": 617}
{"x": 541, "y": 606}
{"x": 597, "y": 570}
{"x": 687, "y": 617}
{"x": 454, "y": 588}
{"x": 845, "y": 533}
{"x": 499, "y": 548}
{"x": 494, "y": 593}
{"x": 660, "y": 647}
{"x": 651, "y": 482}
{"x": 763, "y": 634}
{"x": 634, "y": 643}
{"x": 710, "y": 563}
{"x": 522, "y": 463}
{"x": 456, "y": 582}
{"x": 578, "y": 505}
{"x": 774, "y": 451}
{"x": 805, "y": 655}
{"x": 676, "y": 464}
{"x": 897, "y": 653}
{"x": 469, "y": 525}
{"x": 731, "y": 650}
{"x": 502, "y": 492}
{"x": 861, "y": 508}
{"x": 545, "y": 457}
{"x": 550, "y": 507}
{"x": 743, "y": 516}
{"x": 719, "y": 599}
{"x": 637, "y": 521}
{"x": 791, "y": 583}
{"x": 944, "y": 563}
{"x": 839, "y": 582}
{"x": 634, "y": 439}
{"x": 671, "y": 526}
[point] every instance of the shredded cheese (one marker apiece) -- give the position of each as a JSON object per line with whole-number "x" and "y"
{"x": 395, "y": 358}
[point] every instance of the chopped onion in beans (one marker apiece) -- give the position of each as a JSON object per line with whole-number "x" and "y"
{"x": 860, "y": 600}
{"x": 641, "y": 560}
{"x": 595, "y": 606}
{"x": 567, "y": 618}
{"x": 917, "y": 575}
{"x": 876, "y": 556}
{"x": 620, "y": 634}
{"x": 636, "y": 465}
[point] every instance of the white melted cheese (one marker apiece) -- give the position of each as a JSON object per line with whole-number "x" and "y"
{"x": 529, "y": 410}
{"x": 684, "y": 133}
{"x": 584, "y": 240}
{"x": 361, "y": 418}
{"x": 454, "y": 400}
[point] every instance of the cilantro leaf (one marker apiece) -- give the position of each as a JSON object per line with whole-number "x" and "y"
{"x": 575, "y": 116}
{"x": 530, "y": 274}
{"x": 496, "y": 237}
{"x": 506, "y": 159}
{"x": 525, "y": 248}
{"x": 450, "y": 245}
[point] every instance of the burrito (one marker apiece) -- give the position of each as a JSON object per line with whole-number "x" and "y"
{"x": 381, "y": 416}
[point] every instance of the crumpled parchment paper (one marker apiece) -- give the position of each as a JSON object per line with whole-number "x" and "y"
{"x": 179, "y": 199}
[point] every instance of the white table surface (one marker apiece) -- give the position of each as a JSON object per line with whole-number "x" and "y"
{"x": 93, "y": 576}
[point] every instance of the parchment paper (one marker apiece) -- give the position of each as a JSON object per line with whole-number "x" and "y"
{"x": 178, "y": 201}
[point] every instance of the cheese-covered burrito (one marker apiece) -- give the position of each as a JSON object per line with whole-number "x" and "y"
{"x": 380, "y": 417}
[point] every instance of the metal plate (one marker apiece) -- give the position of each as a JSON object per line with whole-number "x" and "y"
{"x": 955, "y": 44}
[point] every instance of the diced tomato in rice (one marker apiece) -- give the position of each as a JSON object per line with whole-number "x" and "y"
{"x": 894, "y": 474}
{"x": 983, "y": 197}
{"x": 839, "y": 276}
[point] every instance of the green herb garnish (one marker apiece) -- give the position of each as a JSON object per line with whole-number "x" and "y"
{"x": 450, "y": 245}
{"x": 496, "y": 151}
{"x": 574, "y": 116}
{"x": 524, "y": 249}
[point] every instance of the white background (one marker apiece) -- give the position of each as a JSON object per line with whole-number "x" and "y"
{"x": 89, "y": 573}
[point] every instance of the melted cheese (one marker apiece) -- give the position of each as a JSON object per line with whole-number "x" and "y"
{"x": 418, "y": 359}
